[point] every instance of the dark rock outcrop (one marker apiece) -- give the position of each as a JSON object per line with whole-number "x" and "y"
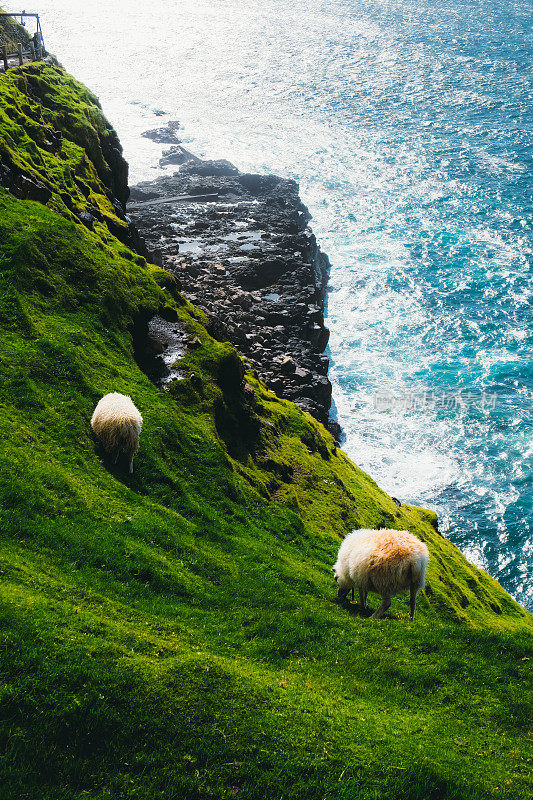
{"x": 176, "y": 155}
{"x": 249, "y": 259}
{"x": 116, "y": 180}
{"x": 158, "y": 342}
{"x": 165, "y": 135}
{"x": 23, "y": 186}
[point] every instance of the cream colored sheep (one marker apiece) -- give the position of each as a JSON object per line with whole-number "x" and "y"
{"x": 382, "y": 561}
{"x": 118, "y": 423}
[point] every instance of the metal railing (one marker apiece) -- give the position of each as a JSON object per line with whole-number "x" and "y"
{"x": 33, "y": 50}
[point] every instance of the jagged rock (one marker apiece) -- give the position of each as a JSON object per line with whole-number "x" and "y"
{"x": 119, "y": 208}
{"x": 336, "y": 431}
{"x": 319, "y": 337}
{"x": 53, "y": 141}
{"x": 249, "y": 260}
{"x": 169, "y": 314}
{"x": 138, "y": 196}
{"x": 87, "y": 219}
{"x": 210, "y": 168}
{"x": 165, "y": 134}
{"x": 30, "y": 189}
{"x": 177, "y": 155}
{"x": 116, "y": 177}
{"x": 302, "y": 375}
{"x": 157, "y": 345}
{"x": 323, "y": 363}
{"x": 287, "y": 364}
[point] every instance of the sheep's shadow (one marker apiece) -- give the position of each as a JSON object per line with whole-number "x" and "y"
{"x": 119, "y": 468}
{"x": 354, "y": 609}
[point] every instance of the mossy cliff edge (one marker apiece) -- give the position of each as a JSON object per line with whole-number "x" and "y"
{"x": 12, "y": 32}
{"x": 174, "y": 633}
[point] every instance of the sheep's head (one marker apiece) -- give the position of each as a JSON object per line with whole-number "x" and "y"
{"x": 343, "y": 588}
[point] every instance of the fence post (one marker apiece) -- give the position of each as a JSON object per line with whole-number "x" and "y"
{"x": 32, "y": 51}
{"x": 38, "y": 45}
{"x": 4, "y": 57}
{"x": 21, "y": 57}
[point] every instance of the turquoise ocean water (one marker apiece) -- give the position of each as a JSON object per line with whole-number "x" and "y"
{"x": 409, "y": 128}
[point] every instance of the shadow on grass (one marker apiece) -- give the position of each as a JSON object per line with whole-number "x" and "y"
{"x": 423, "y": 783}
{"x": 354, "y": 609}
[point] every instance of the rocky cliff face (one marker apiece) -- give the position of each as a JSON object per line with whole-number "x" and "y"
{"x": 59, "y": 149}
{"x": 240, "y": 246}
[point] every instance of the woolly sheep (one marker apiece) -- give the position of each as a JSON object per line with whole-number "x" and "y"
{"x": 382, "y": 561}
{"x": 118, "y": 423}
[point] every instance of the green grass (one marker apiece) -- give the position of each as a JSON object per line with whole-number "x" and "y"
{"x": 11, "y": 32}
{"x": 174, "y": 633}
{"x": 38, "y": 102}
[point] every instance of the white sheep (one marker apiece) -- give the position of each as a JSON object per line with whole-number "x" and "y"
{"x": 382, "y": 561}
{"x": 118, "y": 423}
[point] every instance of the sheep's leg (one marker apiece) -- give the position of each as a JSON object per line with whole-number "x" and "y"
{"x": 414, "y": 592}
{"x": 385, "y": 604}
{"x": 362, "y": 599}
{"x": 131, "y": 466}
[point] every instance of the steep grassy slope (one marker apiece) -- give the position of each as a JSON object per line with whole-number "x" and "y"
{"x": 11, "y": 32}
{"x": 174, "y": 633}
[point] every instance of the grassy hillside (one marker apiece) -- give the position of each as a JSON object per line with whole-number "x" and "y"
{"x": 174, "y": 633}
{"x": 11, "y": 33}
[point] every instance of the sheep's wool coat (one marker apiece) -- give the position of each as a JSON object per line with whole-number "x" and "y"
{"x": 383, "y": 561}
{"x": 117, "y": 423}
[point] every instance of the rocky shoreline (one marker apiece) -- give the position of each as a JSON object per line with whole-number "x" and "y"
{"x": 240, "y": 247}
